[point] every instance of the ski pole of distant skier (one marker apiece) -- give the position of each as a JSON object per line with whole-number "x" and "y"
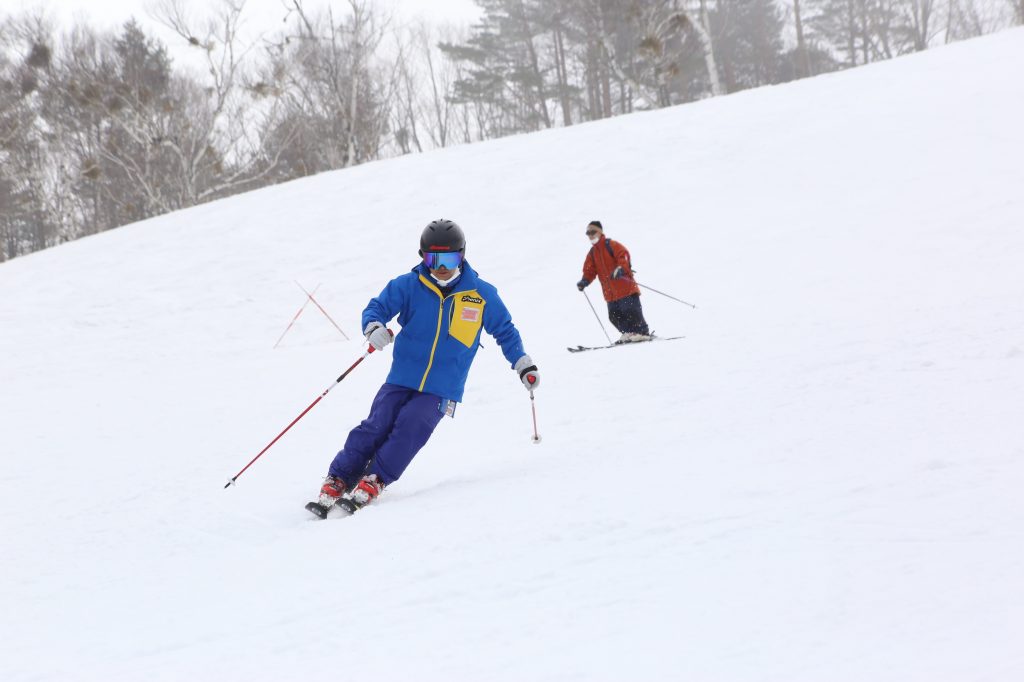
{"x": 303, "y": 414}
{"x": 533, "y": 406}
{"x": 597, "y": 317}
{"x": 664, "y": 294}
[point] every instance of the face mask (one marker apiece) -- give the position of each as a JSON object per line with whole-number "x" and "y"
{"x": 595, "y": 239}
{"x": 448, "y": 282}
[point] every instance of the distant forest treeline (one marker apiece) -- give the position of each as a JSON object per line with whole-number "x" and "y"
{"x": 98, "y": 130}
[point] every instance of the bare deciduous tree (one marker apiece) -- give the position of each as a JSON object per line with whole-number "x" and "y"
{"x": 333, "y": 92}
{"x": 26, "y": 221}
{"x": 97, "y": 129}
{"x": 220, "y": 151}
{"x": 424, "y": 115}
{"x": 917, "y": 22}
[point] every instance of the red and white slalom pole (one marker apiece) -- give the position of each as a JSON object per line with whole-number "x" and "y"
{"x": 309, "y": 297}
{"x": 294, "y": 421}
{"x": 317, "y": 304}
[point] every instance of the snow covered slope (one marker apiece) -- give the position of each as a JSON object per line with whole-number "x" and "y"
{"x": 821, "y": 482}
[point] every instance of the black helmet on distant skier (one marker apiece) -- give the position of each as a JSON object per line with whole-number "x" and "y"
{"x": 442, "y": 235}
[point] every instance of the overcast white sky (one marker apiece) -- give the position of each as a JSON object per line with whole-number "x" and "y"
{"x": 114, "y": 12}
{"x": 260, "y": 15}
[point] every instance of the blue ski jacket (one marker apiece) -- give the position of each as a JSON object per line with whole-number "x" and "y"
{"x": 441, "y": 328}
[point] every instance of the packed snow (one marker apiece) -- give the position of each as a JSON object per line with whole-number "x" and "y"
{"x": 822, "y": 481}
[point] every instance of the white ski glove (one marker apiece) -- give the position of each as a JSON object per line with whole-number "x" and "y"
{"x": 377, "y": 335}
{"x": 528, "y": 373}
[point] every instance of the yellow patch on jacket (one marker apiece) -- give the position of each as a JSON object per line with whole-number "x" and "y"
{"x": 467, "y": 317}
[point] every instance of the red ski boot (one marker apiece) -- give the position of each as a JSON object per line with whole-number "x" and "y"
{"x": 331, "y": 490}
{"x": 365, "y": 492}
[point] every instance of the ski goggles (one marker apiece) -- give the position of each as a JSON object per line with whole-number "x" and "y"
{"x": 447, "y": 259}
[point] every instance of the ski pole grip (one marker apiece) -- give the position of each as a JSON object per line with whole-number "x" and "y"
{"x": 390, "y": 333}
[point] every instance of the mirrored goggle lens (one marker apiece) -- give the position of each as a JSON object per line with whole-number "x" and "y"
{"x": 436, "y": 261}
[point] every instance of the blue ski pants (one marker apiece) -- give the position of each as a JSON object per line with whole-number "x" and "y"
{"x": 400, "y": 423}
{"x": 628, "y": 315}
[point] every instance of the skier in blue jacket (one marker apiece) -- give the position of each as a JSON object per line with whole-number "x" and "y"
{"x": 442, "y": 306}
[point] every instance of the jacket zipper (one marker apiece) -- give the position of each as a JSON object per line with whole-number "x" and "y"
{"x": 437, "y": 334}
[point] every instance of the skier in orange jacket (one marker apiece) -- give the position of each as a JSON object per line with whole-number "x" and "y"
{"x": 608, "y": 261}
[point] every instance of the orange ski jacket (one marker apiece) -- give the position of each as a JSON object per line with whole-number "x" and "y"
{"x": 603, "y": 258}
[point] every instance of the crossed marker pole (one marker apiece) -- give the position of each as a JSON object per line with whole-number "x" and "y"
{"x": 309, "y": 298}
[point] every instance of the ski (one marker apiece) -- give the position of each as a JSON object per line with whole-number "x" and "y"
{"x": 345, "y": 505}
{"x": 580, "y": 349}
{"x": 318, "y": 509}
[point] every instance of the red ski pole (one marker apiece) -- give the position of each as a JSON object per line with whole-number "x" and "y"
{"x": 294, "y": 421}
{"x": 533, "y": 406}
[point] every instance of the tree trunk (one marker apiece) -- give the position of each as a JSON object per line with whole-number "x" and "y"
{"x": 923, "y": 10}
{"x": 606, "y": 65}
{"x": 865, "y": 31}
{"x": 606, "y": 93}
{"x": 353, "y": 103}
{"x": 439, "y": 103}
{"x": 531, "y": 52}
{"x": 805, "y": 57}
{"x": 703, "y": 33}
{"x": 593, "y": 99}
{"x": 851, "y": 28}
{"x": 563, "y": 77}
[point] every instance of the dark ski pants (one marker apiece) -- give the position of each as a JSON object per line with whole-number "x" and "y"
{"x": 400, "y": 423}
{"x": 628, "y": 315}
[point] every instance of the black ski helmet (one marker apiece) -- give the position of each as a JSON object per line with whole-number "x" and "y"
{"x": 443, "y": 235}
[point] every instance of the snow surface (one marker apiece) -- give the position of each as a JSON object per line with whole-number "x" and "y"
{"x": 821, "y": 482}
